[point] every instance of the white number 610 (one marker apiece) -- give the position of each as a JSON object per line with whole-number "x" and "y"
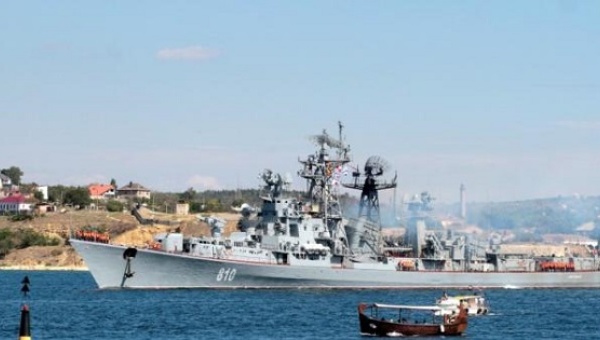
{"x": 226, "y": 274}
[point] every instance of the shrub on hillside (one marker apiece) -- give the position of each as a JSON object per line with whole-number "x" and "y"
{"x": 22, "y": 239}
{"x": 29, "y": 237}
{"x": 6, "y": 242}
{"x": 21, "y": 217}
{"x": 114, "y": 206}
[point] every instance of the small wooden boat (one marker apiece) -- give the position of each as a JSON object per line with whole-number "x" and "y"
{"x": 401, "y": 320}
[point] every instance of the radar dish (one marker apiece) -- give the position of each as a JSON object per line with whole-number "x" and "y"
{"x": 376, "y": 166}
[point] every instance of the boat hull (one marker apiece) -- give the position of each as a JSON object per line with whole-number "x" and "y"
{"x": 381, "y": 327}
{"x": 158, "y": 269}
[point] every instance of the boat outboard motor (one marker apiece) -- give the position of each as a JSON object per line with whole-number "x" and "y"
{"x": 128, "y": 254}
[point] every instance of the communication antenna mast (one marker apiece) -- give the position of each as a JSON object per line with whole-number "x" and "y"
{"x": 322, "y": 171}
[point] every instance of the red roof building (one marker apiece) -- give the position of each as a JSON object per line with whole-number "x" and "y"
{"x": 14, "y": 204}
{"x": 101, "y": 191}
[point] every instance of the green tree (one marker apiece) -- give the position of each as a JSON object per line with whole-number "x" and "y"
{"x": 56, "y": 193}
{"x": 14, "y": 173}
{"x": 79, "y": 196}
{"x": 196, "y": 207}
{"x": 38, "y": 195}
{"x": 237, "y": 202}
{"x": 188, "y": 196}
{"x": 214, "y": 205}
{"x": 113, "y": 182}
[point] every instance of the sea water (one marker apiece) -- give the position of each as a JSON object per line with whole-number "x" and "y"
{"x": 68, "y": 305}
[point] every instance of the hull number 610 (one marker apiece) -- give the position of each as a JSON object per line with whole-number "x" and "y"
{"x": 226, "y": 274}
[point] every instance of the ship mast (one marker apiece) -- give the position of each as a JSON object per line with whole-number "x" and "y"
{"x": 323, "y": 171}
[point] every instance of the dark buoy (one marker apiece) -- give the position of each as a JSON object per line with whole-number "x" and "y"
{"x": 25, "y": 288}
{"x": 24, "y": 328}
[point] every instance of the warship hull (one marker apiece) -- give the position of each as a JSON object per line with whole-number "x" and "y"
{"x": 153, "y": 269}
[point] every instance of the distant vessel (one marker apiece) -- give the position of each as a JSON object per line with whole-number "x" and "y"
{"x": 307, "y": 242}
{"x": 475, "y": 303}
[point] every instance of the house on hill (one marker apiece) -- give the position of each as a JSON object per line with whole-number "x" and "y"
{"x": 43, "y": 190}
{"x": 43, "y": 208}
{"x": 101, "y": 191}
{"x": 6, "y": 186}
{"x": 133, "y": 191}
{"x": 14, "y": 204}
{"x": 182, "y": 208}
{"x": 6, "y": 181}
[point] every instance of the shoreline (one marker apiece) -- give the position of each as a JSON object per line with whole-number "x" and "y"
{"x": 45, "y": 268}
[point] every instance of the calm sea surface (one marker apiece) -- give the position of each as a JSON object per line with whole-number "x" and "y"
{"x": 67, "y": 305}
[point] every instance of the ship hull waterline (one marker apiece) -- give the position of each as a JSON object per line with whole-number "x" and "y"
{"x": 160, "y": 270}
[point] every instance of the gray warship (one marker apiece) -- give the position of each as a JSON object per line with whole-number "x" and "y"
{"x": 306, "y": 242}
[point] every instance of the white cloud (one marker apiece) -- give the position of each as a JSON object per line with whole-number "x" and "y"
{"x": 187, "y": 53}
{"x": 199, "y": 182}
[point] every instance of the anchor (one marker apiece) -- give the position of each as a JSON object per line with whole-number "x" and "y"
{"x": 128, "y": 255}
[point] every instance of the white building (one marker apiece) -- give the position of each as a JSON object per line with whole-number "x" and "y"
{"x": 14, "y": 204}
{"x": 44, "y": 191}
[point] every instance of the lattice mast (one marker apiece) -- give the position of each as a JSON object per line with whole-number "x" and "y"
{"x": 322, "y": 171}
{"x": 370, "y": 183}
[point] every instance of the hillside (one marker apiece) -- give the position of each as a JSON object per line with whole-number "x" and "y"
{"x": 122, "y": 227}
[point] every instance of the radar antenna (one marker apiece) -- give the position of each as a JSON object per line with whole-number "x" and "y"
{"x": 275, "y": 184}
{"x": 324, "y": 139}
{"x": 369, "y": 183}
{"x": 420, "y": 204}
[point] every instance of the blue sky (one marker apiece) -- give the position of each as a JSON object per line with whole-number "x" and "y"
{"x": 503, "y": 96}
